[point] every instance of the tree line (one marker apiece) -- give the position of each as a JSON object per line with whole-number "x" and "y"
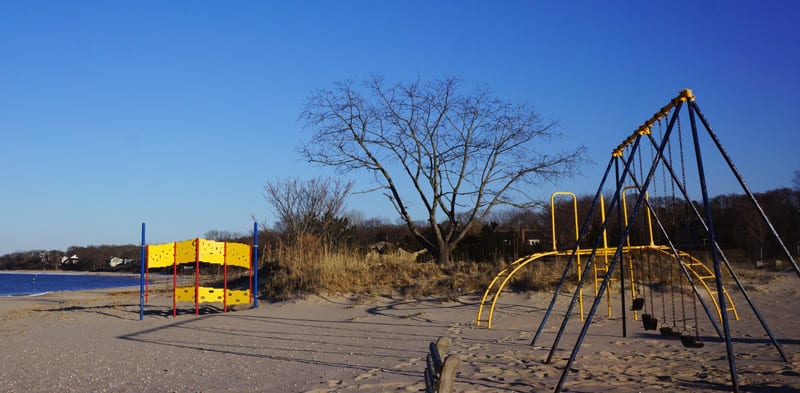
{"x": 505, "y": 236}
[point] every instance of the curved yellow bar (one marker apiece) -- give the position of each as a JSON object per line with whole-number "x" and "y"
{"x": 497, "y": 276}
{"x": 695, "y": 266}
{"x": 522, "y": 263}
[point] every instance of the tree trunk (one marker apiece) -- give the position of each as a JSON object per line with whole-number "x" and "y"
{"x": 443, "y": 254}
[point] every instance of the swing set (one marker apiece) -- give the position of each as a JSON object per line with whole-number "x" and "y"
{"x": 652, "y": 269}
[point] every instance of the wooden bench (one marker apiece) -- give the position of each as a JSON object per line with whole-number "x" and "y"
{"x": 439, "y": 374}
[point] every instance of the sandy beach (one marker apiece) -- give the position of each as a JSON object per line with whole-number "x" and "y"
{"x": 93, "y": 341}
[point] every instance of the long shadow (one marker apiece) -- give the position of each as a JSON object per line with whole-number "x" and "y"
{"x": 393, "y": 310}
{"x": 120, "y": 308}
{"x": 719, "y": 387}
{"x": 318, "y": 331}
{"x": 367, "y": 351}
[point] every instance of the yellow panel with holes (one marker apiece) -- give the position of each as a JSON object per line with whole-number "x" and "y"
{"x": 160, "y": 255}
{"x": 238, "y": 296}
{"x": 185, "y": 251}
{"x": 210, "y": 295}
{"x": 212, "y": 251}
{"x": 184, "y": 295}
{"x": 239, "y": 255}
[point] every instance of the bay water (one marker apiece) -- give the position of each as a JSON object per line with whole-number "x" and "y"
{"x": 30, "y": 284}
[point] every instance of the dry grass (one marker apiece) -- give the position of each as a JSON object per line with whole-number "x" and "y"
{"x": 311, "y": 267}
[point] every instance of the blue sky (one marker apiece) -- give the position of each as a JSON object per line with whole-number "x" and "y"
{"x": 177, "y": 113}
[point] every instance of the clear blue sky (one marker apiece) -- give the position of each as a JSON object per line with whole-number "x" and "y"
{"x": 173, "y": 113}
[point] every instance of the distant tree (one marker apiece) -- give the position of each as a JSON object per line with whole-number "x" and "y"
{"x": 797, "y": 180}
{"x": 223, "y": 236}
{"x": 310, "y": 207}
{"x": 462, "y": 154}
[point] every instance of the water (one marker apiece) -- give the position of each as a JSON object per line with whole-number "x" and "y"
{"x": 26, "y": 284}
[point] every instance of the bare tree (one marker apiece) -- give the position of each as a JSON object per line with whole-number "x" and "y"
{"x": 462, "y": 154}
{"x": 797, "y": 179}
{"x": 309, "y": 207}
{"x": 223, "y": 236}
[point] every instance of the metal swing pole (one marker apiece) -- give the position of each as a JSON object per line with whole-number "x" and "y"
{"x": 589, "y": 262}
{"x": 582, "y": 232}
{"x": 714, "y": 254}
{"x": 728, "y": 265}
{"x": 142, "y": 263}
{"x": 620, "y": 219}
{"x": 746, "y": 189}
{"x": 607, "y": 277}
{"x": 643, "y": 130}
{"x": 254, "y": 267}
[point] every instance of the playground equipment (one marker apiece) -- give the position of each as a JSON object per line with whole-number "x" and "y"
{"x": 651, "y": 259}
{"x": 192, "y": 253}
{"x": 696, "y": 267}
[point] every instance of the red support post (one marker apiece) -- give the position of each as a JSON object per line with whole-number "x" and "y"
{"x": 174, "y": 279}
{"x": 146, "y": 272}
{"x": 197, "y": 276}
{"x": 225, "y": 279}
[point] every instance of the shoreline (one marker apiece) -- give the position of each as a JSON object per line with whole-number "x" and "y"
{"x": 68, "y": 272}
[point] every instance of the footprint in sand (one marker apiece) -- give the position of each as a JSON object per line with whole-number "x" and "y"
{"x": 332, "y": 383}
{"x": 370, "y": 374}
{"x": 410, "y": 363}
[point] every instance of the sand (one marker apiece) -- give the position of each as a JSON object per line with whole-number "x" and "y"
{"x": 93, "y": 341}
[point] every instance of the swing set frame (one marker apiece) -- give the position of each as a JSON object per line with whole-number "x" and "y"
{"x": 623, "y": 173}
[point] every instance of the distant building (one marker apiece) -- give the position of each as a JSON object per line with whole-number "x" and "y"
{"x": 65, "y": 260}
{"x": 117, "y": 261}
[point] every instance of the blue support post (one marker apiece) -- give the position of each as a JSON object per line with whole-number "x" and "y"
{"x": 142, "y": 263}
{"x": 714, "y": 254}
{"x": 255, "y": 265}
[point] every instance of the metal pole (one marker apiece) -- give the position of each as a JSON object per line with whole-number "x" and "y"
{"x": 591, "y": 256}
{"x": 728, "y": 265}
{"x": 744, "y": 186}
{"x": 612, "y": 265}
{"x": 714, "y": 254}
{"x": 254, "y": 290}
{"x": 584, "y": 228}
{"x": 620, "y": 219}
{"x": 142, "y": 262}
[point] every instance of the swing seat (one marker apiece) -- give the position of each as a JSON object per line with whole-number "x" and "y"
{"x": 690, "y": 341}
{"x": 667, "y": 331}
{"x": 638, "y": 304}
{"x": 649, "y": 322}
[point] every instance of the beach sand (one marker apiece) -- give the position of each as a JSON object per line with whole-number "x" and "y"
{"x": 93, "y": 341}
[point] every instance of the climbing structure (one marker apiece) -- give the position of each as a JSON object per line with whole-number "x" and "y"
{"x": 196, "y": 254}
{"x": 647, "y": 254}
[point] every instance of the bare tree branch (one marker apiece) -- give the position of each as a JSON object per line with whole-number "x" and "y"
{"x": 462, "y": 154}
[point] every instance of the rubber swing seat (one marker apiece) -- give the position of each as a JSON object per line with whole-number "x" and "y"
{"x": 667, "y": 331}
{"x": 690, "y": 341}
{"x": 649, "y": 322}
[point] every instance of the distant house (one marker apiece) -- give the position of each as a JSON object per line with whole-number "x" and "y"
{"x": 117, "y": 261}
{"x": 65, "y": 260}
